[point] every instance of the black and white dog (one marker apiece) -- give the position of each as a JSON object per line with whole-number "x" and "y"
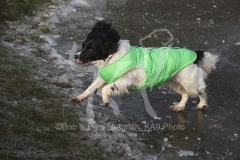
{"x": 103, "y": 47}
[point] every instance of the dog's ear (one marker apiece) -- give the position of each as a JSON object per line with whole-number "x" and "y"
{"x": 110, "y": 42}
{"x": 102, "y": 27}
{"x": 110, "y": 36}
{"x": 107, "y": 34}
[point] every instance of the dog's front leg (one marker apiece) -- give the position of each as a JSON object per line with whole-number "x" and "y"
{"x": 128, "y": 80}
{"x": 98, "y": 83}
{"x": 115, "y": 88}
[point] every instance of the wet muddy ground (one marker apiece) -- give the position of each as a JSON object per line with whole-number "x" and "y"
{"x": 210, "y": 134}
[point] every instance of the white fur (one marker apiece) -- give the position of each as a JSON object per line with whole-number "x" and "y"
{"x": 188, "y": 82}
{"x": 209, "y": 62}
{"x": 124, "y": 47}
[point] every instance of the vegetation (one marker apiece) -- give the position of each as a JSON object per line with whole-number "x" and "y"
{"x": 29, "y": 109}
{"x": 11, "y": 10}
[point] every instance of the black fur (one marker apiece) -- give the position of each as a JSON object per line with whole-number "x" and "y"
{"x": 112, "y": 89}
{"x": 100, "y": 43}
{"x": 200, "y": 55}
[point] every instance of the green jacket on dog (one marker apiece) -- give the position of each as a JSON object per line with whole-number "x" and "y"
{"x": 159, "y": 65}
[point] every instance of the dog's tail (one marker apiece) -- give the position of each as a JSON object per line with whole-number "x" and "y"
{"x": 206, "y": 60}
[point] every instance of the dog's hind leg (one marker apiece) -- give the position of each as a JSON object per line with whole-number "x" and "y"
{"x": 203, "y": 100}
{"x": 180, "y": 90}
{"x": 190, "y": 81}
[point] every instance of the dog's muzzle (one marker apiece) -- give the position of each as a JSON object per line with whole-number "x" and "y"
{"x": 76, "y": 57}
{"x": 78, "y": 61}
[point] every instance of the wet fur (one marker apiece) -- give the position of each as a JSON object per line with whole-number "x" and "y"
{"x": 103, "y": 46}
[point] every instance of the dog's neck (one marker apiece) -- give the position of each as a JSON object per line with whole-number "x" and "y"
{"x": 124, "y": 47}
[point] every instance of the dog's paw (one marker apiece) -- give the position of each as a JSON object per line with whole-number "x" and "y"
{"x": 200, "y": 107}
{"x": 78, "y": 99}
{"x": 106, "y": 101}
{"x": 177, "y": 108}
{"x": 106, "y": 104}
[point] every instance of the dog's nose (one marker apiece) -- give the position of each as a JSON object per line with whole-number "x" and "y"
{"x": 76, "y": 57}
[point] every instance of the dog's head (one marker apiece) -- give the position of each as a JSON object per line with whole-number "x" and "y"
{"x": 100, "y": 43}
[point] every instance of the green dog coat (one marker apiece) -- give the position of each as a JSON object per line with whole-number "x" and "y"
{"x": 159, "y": 65}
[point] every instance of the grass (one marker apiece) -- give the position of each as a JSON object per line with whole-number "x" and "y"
{"x": 29, "y": 113}
{"x": 11, "y": 10}
{"x": 20, "y": 115}
{"x": 29, "y": 110}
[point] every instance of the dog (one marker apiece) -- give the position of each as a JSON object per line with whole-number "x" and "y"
{"x": 118, "y": 74}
